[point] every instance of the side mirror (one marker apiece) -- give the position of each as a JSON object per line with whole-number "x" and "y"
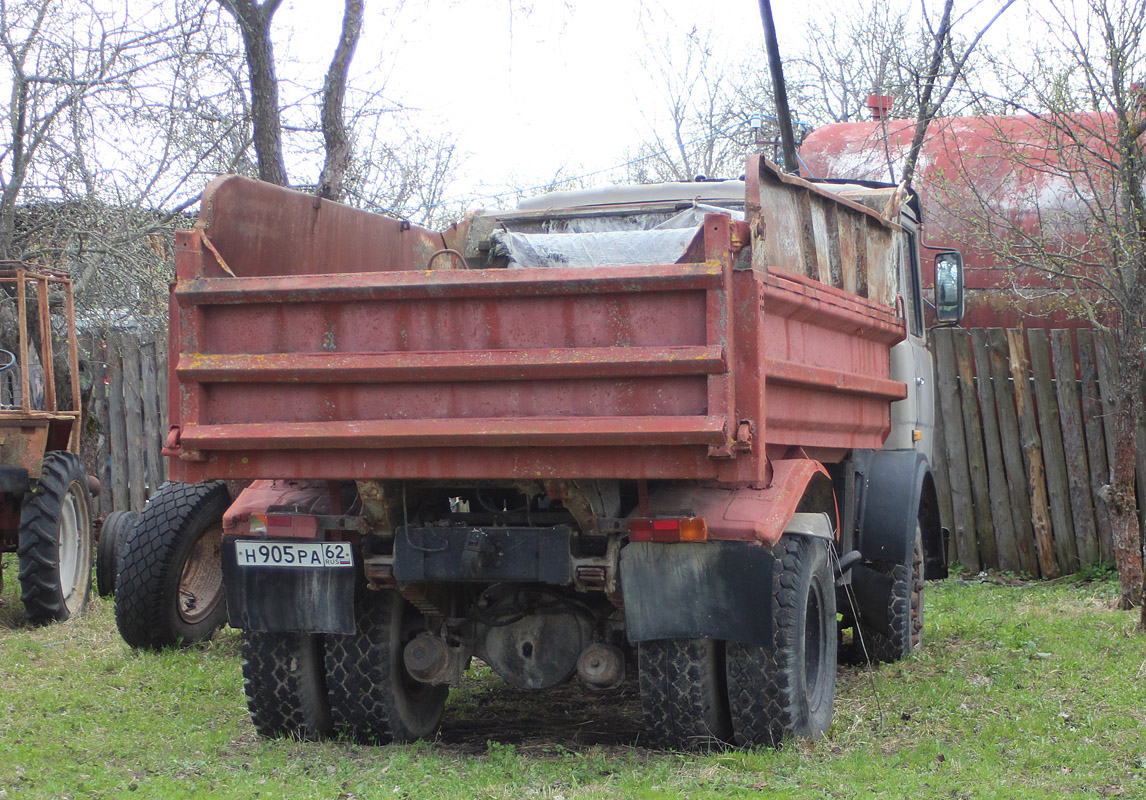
{"x": 949, "y": 287}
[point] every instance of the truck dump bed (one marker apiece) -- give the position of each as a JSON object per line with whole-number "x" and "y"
{"x": 311, "y": 340}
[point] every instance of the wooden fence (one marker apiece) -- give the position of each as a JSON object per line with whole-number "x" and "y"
{"x": 129, "y": 410}
{"x": 1022, "y": 447}
{"x": 1023, "y": 443}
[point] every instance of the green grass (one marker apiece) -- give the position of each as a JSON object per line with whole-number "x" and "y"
{"x": 1023, "y": 691}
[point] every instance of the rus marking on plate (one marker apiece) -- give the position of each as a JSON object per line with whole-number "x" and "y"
{"x": 291, "y": 554}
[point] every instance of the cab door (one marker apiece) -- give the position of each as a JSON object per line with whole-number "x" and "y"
{"x": 913, "y": 418}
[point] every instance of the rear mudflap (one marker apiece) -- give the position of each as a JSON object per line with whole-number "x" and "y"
{"x": 288, "y": 598}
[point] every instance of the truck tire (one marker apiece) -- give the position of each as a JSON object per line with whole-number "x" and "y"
{"x": 170, "y": 585}
{"x": 284, "y": 681}
{"x": 373, "y": 699}
{"x": 904, "y": 611}
{"x": 55, "y": 547}
{"x": 683, "y": 693}
{"x": 788, "y": 690}
{"x": 115, "y": 529}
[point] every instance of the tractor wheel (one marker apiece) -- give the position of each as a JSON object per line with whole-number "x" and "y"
{"x": 55, "y": 549}
{"x": 115, "y": 529}
{"x": 683, "y": 693}
{"x": 170, "y": 585}
{"x": 904, "y": 612}
{"x": 788, "y": 690}
{"x": 285, "y": 686}
{"x": 373, "y": 698}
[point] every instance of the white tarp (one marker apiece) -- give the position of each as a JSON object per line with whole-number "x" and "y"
{"x": 664, "y": 244}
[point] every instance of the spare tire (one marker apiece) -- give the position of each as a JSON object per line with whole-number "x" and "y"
{"x": 170, "y": 585}
{"x": 115, "y": 529}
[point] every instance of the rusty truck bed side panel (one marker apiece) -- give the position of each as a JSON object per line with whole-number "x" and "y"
{"x": 682, "y": 371}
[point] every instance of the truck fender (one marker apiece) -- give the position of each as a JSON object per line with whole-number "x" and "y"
{"x": 750, "y": 513}
{"x": 716, "y": 589}
{"x": 897, "y": 492}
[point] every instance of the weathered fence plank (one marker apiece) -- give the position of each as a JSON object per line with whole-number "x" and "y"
{"x": 1032, "y": 454}
{"x": 1001, "y": 508}
{"x": 1054, "y": 459}
{"x": 999, "y": 353}
{"x": 103, "y": 440}
{"x": 151, "y": 419}
{"x": 132, "y": 402}
{"x": 942, "y": 480}
{"x": 1074, "y": 447}
{"x": 1095, "y": 442}
{"x": 1107, "y": 388}
{"x": 976, "y": 459}
{"x": 161, "y": 371}
{"x": 966, "y": 546}
{"x": 117, "y": 427}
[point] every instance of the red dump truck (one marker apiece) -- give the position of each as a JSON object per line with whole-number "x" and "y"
{"x": 687, "y": 424}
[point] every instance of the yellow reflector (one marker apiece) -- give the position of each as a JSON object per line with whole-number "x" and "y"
{"x": 916, "y": 435}
{"x": 693, "y": 529}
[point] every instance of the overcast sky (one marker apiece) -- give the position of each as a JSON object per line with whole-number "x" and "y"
{"x": 525, "y": 92}
{"x": 530, "y": 89}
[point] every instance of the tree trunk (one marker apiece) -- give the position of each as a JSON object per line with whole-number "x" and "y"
{"x": 1119, "y": 495}
{"x": 334, "y": 133}
{"x": 255, "y": 25}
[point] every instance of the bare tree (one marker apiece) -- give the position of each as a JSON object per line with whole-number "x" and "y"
{"x": 696, "y": 128}
{"x": 254, "y": 20}
{"x": 334, "y": 131}
{"x": 944, "y": 69}
{"x": 1077, "y": 162}
{"x": 847, "y": 57}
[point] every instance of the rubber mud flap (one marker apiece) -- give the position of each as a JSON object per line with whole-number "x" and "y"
{"x": 288, "y": 600}
{"x": 694, "y": 590}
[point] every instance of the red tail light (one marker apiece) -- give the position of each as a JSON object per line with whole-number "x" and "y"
{"x": 673, "y": 529}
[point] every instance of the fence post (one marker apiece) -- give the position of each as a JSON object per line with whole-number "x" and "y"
{"x": 1054, "y": 459}
{"x": 967, "y": 550}
{"x": 1002, "y": 511}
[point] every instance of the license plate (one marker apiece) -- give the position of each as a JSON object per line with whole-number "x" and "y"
{"x": 292, "y": 554}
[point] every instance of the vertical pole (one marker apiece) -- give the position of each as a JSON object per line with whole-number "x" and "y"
{"x": 73, "y": 364}
{"x": 46, "y": 358}
{"x": 779, "y": 90}
{"x": 22, "y": 310}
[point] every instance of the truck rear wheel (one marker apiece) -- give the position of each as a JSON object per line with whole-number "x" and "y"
{"x": 284, "y": 681}
{"x": 115, "y": 529}
{"x": 373, "y": 698}
{"x": 904, "y": 612}
{"x": 788, "y": 690}
{"x": 683, "y": 693}
{"x": 55, "y": 548}
{"x": 170, "y": 586}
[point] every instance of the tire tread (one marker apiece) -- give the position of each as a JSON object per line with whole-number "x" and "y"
{"x": 147, "y": 559}
{"x": 38, "y": 551}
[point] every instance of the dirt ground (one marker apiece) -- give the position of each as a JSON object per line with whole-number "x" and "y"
{"x": 569, "y": 716}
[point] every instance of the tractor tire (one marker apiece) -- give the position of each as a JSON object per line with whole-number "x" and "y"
{"x": 788, "y": 690}
{"x": 373, "y": 698}
{"x": 683, "y": 694}
{"x": 285, "y": 685}
{"x": 115, "y": 529}
{"x": 904, "y": 612}
{"x": 55, "y": 548}
{"x": 170, "y": 585}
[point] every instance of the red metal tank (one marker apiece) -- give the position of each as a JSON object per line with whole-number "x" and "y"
{"x": 1016, "y": 172}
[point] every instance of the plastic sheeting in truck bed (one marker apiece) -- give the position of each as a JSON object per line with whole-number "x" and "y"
{"x": 667, "y": 243}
